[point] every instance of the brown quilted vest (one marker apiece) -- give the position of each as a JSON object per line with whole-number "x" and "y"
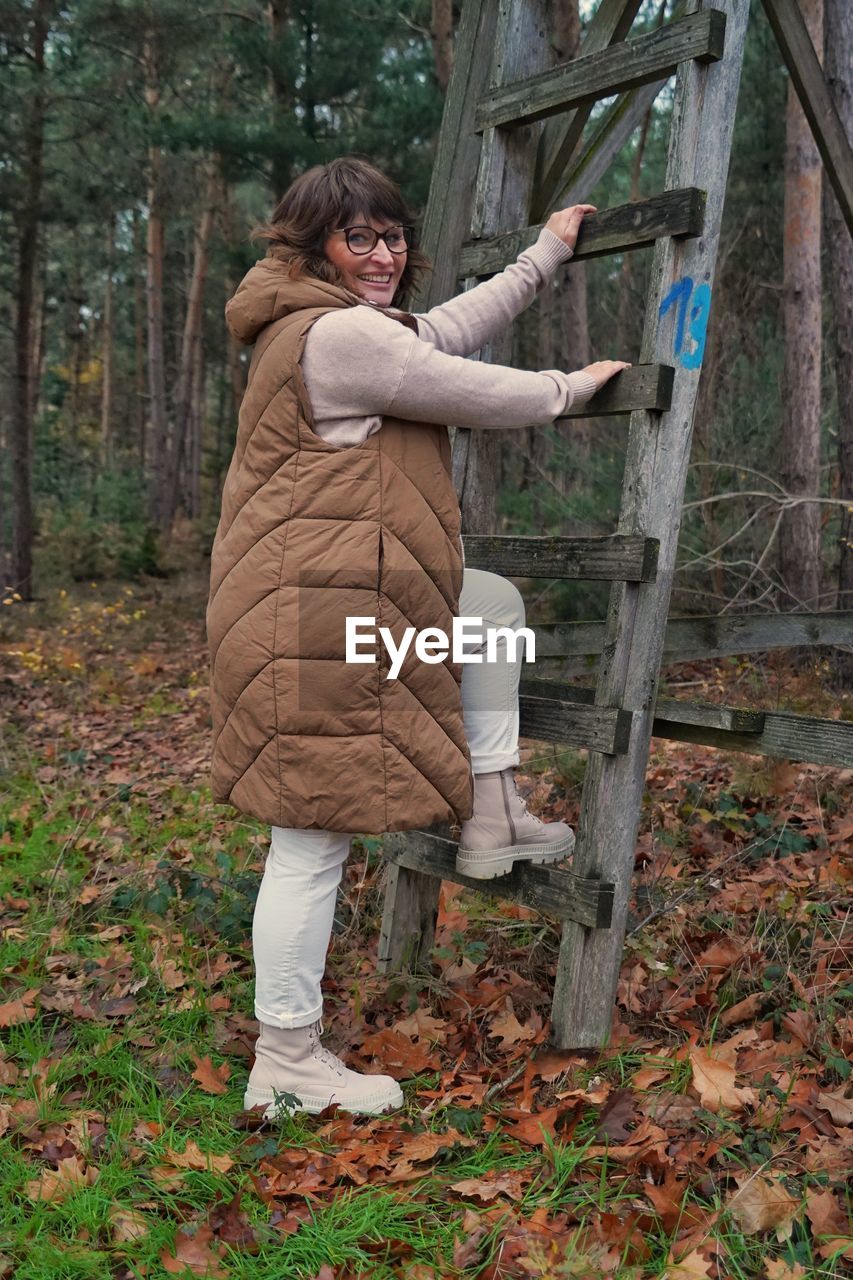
{"x": 311, "y": 533}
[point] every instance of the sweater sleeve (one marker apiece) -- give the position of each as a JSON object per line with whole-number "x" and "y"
{"x": 360, "y": 363}
{"x": 462, "y": 325}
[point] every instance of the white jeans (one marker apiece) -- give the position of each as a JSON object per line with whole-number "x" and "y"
{"x": 295, "y": 909}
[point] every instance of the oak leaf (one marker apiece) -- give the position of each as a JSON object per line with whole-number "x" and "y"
{"x": 763, "y": 1205}
{"x": 193, "y": 1253}
{"x": 778, "y": 1269}
{"x": 128, "y": 1224}
{"x": 193, "y": 1158}
{"x": 56, "y": 1184}
{"x": 691, "y": 1267}
{"x": 839, "y": 1107}
{"x": 714, "y": 1081}
{"x": 20, "y": 1010}
{"x": 507, "y": 1028}
{"x": 212, "y": 1079}
{"x": 507, "y": 1183}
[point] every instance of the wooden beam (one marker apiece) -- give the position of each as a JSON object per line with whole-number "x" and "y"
{"x": 618, "y": 558}
{"x": 656, "y": 464}
{"x": 806, "y": 72}
{"x": 618, "y": 230}
{"x": 549, "y": 719}
{"x": 408, "y": 919}
{"x": 716, "y": 636}
{"x": 610, "y": 24}
{"x": 697, "y": 37}
{"x": 786, "y": 736}
{"x": 674, "y": 710}
{"x": 643, "y": 386}
{"x": 547, "y": 889}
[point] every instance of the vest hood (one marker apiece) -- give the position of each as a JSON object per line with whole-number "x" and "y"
{"x": 267, "y": 293}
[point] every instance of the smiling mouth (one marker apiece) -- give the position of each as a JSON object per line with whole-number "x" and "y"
{"x": 376, "y": 279}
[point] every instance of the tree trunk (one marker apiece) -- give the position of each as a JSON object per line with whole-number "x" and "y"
{"x": 799, "y": 542}
{"x": 278, "y": 15}
{"x": 107, "y": 350}
{"x": 27, "y": 227}
{"x": 189, "y": 348}
{"x": 159, "y": 492}
{"x": 441, "y": 34}
{"x": 139, "y": 414}
{"x": 838, "y": 45}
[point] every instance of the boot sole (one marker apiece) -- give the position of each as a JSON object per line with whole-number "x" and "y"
{"x": 371, "y": 1105}
{"x": 499, "y": 862}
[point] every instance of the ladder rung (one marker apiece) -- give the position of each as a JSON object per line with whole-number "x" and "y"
{"x": 643, "y": 386}
{"x": 574, "y": 724}
{"x": 547, "y": 889}
{"x": 616, "y": 230}
{"x": 598, "y": 75}
{"x": 618, "y": 558}
{"x": 673, "y": 710}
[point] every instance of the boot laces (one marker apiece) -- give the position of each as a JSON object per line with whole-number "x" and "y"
{"x": 524, "y": 809}
{"x": 321, "y": 1054}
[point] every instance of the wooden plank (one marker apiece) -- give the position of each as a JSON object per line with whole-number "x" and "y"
{"x": 617, "y": 558}
{"x": 698, "y": 37}
{"x": 784, "y": 735}
{"x": 710, "y": 715}
{"x": 806, "y": 72}
{"x": 408, "y": 918}
{"x": 643, "y": 386}
{"x": 655, "y": 472}
{"x": 715, "y": 636}
{"x": 573, "y": 725}
{"x": 552, "y": 891}
{"x": 609, "y": 25}
{"x": 617, "y": 230}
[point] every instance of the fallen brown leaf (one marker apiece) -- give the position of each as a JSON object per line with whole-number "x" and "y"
{"x": 195, "y": 1253}
{"x": 212, "y": 1079}
{"x": 761, "y": 1205}
{"x": 714, "y": 1081}
{"x": 23, "y": 1009}
{"x": 193, "y": 1158}
{"x": 57, "y": 1184}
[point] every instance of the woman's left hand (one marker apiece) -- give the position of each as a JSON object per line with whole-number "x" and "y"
{"x": 566, "y": 223}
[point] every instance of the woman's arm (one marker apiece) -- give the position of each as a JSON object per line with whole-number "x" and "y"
{"x": 462, "y": 325}
{"x": 360, "y": 363}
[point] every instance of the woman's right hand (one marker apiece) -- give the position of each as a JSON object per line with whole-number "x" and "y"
{"x": 603, "y": 370}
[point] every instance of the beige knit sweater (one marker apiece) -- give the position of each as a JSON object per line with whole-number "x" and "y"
{"x": 359, "y": 363}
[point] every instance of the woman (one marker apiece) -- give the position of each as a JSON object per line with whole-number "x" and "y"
{"x": 339, "y": 506}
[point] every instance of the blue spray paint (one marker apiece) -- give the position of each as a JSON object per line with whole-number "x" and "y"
{"x": 694, "y": 306}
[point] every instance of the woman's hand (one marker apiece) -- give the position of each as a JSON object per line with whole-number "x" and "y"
{"x": 566, "y": 223}
{"x": 603, "y": 370}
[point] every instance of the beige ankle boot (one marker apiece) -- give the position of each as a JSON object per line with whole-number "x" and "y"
{"x": 501, "y": 831}
{"x": 295, "y": 1062}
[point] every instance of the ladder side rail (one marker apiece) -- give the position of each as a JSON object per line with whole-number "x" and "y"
{"x": 655, "y": 474}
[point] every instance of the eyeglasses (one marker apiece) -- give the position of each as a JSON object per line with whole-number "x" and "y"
{"x": 362, "y": 239}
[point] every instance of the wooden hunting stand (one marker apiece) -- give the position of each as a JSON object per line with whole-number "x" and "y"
{"x": 510, "y": 151}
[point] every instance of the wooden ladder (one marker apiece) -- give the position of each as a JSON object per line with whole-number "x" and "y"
{"x": 514, "y": 123}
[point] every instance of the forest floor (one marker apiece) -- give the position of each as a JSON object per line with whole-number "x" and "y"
{"x": 711, "y": 1139}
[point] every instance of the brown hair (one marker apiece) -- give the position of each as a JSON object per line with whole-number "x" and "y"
{"x": 329, "y": 196}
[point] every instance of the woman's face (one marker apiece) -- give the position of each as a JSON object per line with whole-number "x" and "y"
{"x": 375, "y": 275}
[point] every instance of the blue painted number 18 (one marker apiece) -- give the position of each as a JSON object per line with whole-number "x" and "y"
{"x": 694, "y": 305}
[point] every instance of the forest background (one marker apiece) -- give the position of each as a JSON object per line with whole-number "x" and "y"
{"x": 140, "y": 144}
